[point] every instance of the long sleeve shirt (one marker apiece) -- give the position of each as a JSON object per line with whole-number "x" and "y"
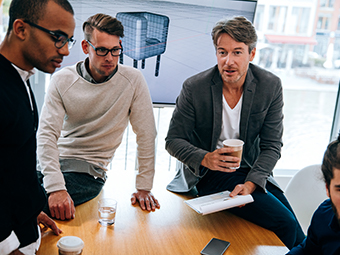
{"x": 86, "y": 121}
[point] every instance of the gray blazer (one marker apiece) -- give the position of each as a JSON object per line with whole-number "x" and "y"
{"x": 197, "y": 119}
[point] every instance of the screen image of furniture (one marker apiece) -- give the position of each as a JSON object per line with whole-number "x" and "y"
{"x": 145, "y": 36}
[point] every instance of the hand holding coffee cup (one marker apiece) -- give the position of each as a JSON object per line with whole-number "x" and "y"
{"x": 237, "y": 145}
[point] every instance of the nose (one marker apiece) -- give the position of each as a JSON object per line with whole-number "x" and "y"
{"x": 64, "y": 51}
{"x": 109, "y": 57}
{"x": 229, "y": 60}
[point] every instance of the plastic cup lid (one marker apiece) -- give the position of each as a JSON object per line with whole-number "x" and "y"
{"x": 70, "y": 243}
{"x": 233, "y": 142}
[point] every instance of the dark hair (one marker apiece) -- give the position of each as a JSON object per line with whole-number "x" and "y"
{"x": 331, "y": 160}
{"x": 104, "y": 23}
{"x": 32, "y": 10}
{"x": 238, "y": 28}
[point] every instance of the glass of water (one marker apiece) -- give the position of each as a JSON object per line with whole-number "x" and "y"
{"x": 107, "y": 211}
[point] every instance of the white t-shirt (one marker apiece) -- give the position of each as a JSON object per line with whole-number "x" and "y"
{"x": 230, "y": 121}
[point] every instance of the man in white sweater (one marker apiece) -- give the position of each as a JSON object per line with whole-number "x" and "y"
{"x": 87, "y": 108}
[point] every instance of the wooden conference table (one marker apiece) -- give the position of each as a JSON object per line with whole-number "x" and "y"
{"x": 173, "y": 229}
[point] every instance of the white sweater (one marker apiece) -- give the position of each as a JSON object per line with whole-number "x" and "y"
{"x": 86, "y": 121}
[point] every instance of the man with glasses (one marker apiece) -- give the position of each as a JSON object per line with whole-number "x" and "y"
{"x": 59, "y": 37}
{"x": 39, "y": 34}
{"x": 86, "y": 111}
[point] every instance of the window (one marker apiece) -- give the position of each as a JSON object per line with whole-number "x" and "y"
{"x": 299, "y": 20}
{"x": 323, "y": 22}
{"x": 309, "y": 89}
{"x": 327, "y": 3}
{"x": 277, "y": 18}
{"x": 259, "y": 15}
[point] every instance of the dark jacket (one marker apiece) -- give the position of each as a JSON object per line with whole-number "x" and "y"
{"x": 197, "y": 119}
{"x": 22, "y": 196}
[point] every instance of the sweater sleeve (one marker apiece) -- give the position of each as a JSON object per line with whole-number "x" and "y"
{"x": 143, "y": 125}
{"x": 50, "y": 125}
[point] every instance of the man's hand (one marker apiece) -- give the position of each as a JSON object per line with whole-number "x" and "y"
{"x": 61, "y": 205}
{"x": 146, "y": 200}
{"x": 47, "y": 222}
{"x": 217, "y": 161}
{"x": 243, "y": 189}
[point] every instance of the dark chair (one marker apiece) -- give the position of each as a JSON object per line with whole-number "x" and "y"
{"x": 145, "y": 36}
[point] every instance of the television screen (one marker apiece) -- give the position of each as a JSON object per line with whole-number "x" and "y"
{"x": 168, "y": 41}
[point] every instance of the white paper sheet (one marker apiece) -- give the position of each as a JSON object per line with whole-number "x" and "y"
{"x": 217, "y": 202}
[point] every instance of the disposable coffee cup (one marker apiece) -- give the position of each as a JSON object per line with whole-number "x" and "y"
{"x": 70, "y": 245}
{"x": 237, "y": 145}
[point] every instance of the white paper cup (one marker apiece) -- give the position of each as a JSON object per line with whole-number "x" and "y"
{"x": 237, "y": 144}
{"x": 70, "y": 245}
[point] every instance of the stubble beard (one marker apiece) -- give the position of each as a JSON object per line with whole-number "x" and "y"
{"x": 335, "y": 211}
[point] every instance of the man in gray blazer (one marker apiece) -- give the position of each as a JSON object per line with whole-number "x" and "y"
{"x": 234, "y": 99}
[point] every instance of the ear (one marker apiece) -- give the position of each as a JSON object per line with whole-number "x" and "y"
{"x": 252, "y": 54}
{"x": 85, "y": 46}
{"x": 327, "y": 190}
{"x": 20, "y": 29}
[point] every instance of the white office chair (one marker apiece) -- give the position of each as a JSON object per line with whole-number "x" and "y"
{"x": 305, "y": 192}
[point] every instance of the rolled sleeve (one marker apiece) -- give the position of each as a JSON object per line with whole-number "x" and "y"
{"x": 10, "y": 244}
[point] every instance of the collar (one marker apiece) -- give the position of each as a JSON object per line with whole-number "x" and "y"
{"x": 25, "y": 75}
{"x": 82, "y": 68}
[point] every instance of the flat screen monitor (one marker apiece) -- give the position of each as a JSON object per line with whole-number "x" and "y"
{"x": 188, "y": 48}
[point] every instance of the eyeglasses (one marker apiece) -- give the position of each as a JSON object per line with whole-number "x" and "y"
{"x": 115, "y": 52}
{"x": 59, "y": 39}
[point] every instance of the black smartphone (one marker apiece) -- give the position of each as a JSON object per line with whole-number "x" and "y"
{"x": 215, "y": 247}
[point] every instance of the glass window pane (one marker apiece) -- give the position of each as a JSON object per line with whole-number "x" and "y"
{"x": 306, "y": 59}
{"x": 277, "y": 18}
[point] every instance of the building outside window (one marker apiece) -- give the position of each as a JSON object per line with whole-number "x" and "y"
{"x": 302, "y": 53}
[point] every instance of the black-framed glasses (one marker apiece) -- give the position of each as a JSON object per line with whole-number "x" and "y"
{"x": 101, "y": 51}
{"x": 59, "y": 39}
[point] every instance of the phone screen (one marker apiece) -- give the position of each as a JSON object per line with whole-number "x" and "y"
{"x": 215, "y": 247}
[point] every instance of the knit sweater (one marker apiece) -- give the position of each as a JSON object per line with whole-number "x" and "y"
{"x": 86, "y": 121}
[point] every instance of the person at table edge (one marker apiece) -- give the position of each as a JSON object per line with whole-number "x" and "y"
{"x": 323, "y": 235}
{"x": 39, "y": 35}
{"x": 234, "y": 99}
{"x": 86, "y": 111}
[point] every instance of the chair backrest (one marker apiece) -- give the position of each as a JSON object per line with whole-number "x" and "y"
{"x": 305, "y": 192}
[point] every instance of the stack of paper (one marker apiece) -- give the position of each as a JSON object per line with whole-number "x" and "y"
{"x": 217, "y": 202}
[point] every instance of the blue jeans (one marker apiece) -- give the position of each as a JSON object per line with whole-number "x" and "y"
{"x": 82, "y": 187}
{"x": 269, "y": 210}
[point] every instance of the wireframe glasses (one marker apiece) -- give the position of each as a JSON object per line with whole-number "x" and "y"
{"x": 101, "y": 51}
{"x": 59, "y": 39}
